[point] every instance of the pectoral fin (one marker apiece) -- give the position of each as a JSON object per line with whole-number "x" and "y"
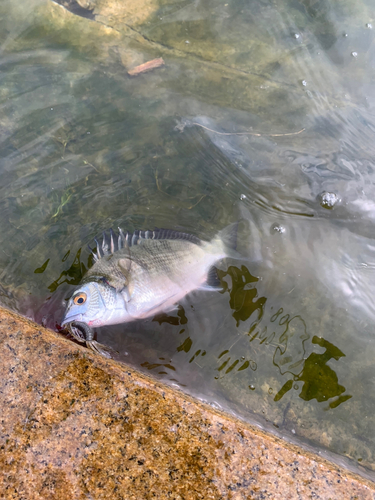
{"x": 120, "y": 280}
{"x": 124, "y": 265}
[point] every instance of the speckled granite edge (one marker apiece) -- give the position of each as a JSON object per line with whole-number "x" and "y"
{"x": 76, "y": 426}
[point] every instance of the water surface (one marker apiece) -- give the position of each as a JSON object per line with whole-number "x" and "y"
{"x": 263, "y": 113}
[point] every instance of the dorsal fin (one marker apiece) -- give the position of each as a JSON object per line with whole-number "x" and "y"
{"x": 96, "y": 258}
{"x": 170, "y": 234}
{"x": 99, "y": 255}
{"x": 113, "y": 243}
{"x": 105, "y": 247}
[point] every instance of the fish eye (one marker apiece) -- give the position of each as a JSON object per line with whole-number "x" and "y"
{"x": 80, "y": 298}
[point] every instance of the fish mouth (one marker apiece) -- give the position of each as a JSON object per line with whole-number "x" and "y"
{"x": 69, "y": 319}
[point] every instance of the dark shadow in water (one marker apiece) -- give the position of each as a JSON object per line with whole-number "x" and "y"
{"x": 320, "y": 381}
{"x": 287, "y": 335}
{"x": 73, "y": 275}
{"x": 242, "y": 295}
{"x": 41, "y": 269}
{"x": 181, "y": 318}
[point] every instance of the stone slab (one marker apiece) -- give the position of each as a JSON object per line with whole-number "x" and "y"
{"x": 76, "y": 426}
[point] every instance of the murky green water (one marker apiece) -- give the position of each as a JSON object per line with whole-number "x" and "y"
{"x": 261, "y": 110}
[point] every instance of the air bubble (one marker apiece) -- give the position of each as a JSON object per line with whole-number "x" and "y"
{"x": 296, "y": 36}
{"x": 354, "y": 54}
{"x": 252, "y": 387}
{"x": 278, "y": 228}
{"x": 243, "y": 197}
{"x": 328, "y": 200}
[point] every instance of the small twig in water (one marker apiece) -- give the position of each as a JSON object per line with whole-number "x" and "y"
{"x": 148, "y": 66}
{"x": 195, "y": 204}
{"x": 247, "y": 133}
{"x": 90, "y": 165}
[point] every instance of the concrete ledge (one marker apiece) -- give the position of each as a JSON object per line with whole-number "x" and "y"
{"x": 76, "y": 426}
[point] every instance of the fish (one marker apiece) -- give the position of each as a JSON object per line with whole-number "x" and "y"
{"x": 142, "y": 274}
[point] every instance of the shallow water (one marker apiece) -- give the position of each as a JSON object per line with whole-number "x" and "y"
{"x": 263, "y": 113}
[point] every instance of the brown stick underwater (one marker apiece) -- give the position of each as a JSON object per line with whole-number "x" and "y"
{"x": 148, "y": 66}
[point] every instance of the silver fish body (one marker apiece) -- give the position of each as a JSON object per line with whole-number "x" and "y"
{"x": 142, "y": 274}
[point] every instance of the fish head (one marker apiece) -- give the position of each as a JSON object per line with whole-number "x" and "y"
{"x": 94, "y": 303}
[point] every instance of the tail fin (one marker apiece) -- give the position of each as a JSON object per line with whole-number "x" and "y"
{"x": 228, "y": 239}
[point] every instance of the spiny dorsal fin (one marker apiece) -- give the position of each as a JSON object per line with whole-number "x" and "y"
{"x": 105, "y": 247}
{"x": 99, "y": 255}
{"x": 96, "y": 258}
{"x": 112, "y": 241}
{"x": 170, "y": 234}
{"x": 125, "y": 240}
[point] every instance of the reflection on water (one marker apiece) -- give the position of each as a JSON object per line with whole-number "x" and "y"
{"x": 284, "y": 335}
{"x": 320, "y": 381}
{"x": 242, "y": 294}
{"x": 261, "y": 114}
{"x": 71, "y": 276}
{"x": 179, "y": 320}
